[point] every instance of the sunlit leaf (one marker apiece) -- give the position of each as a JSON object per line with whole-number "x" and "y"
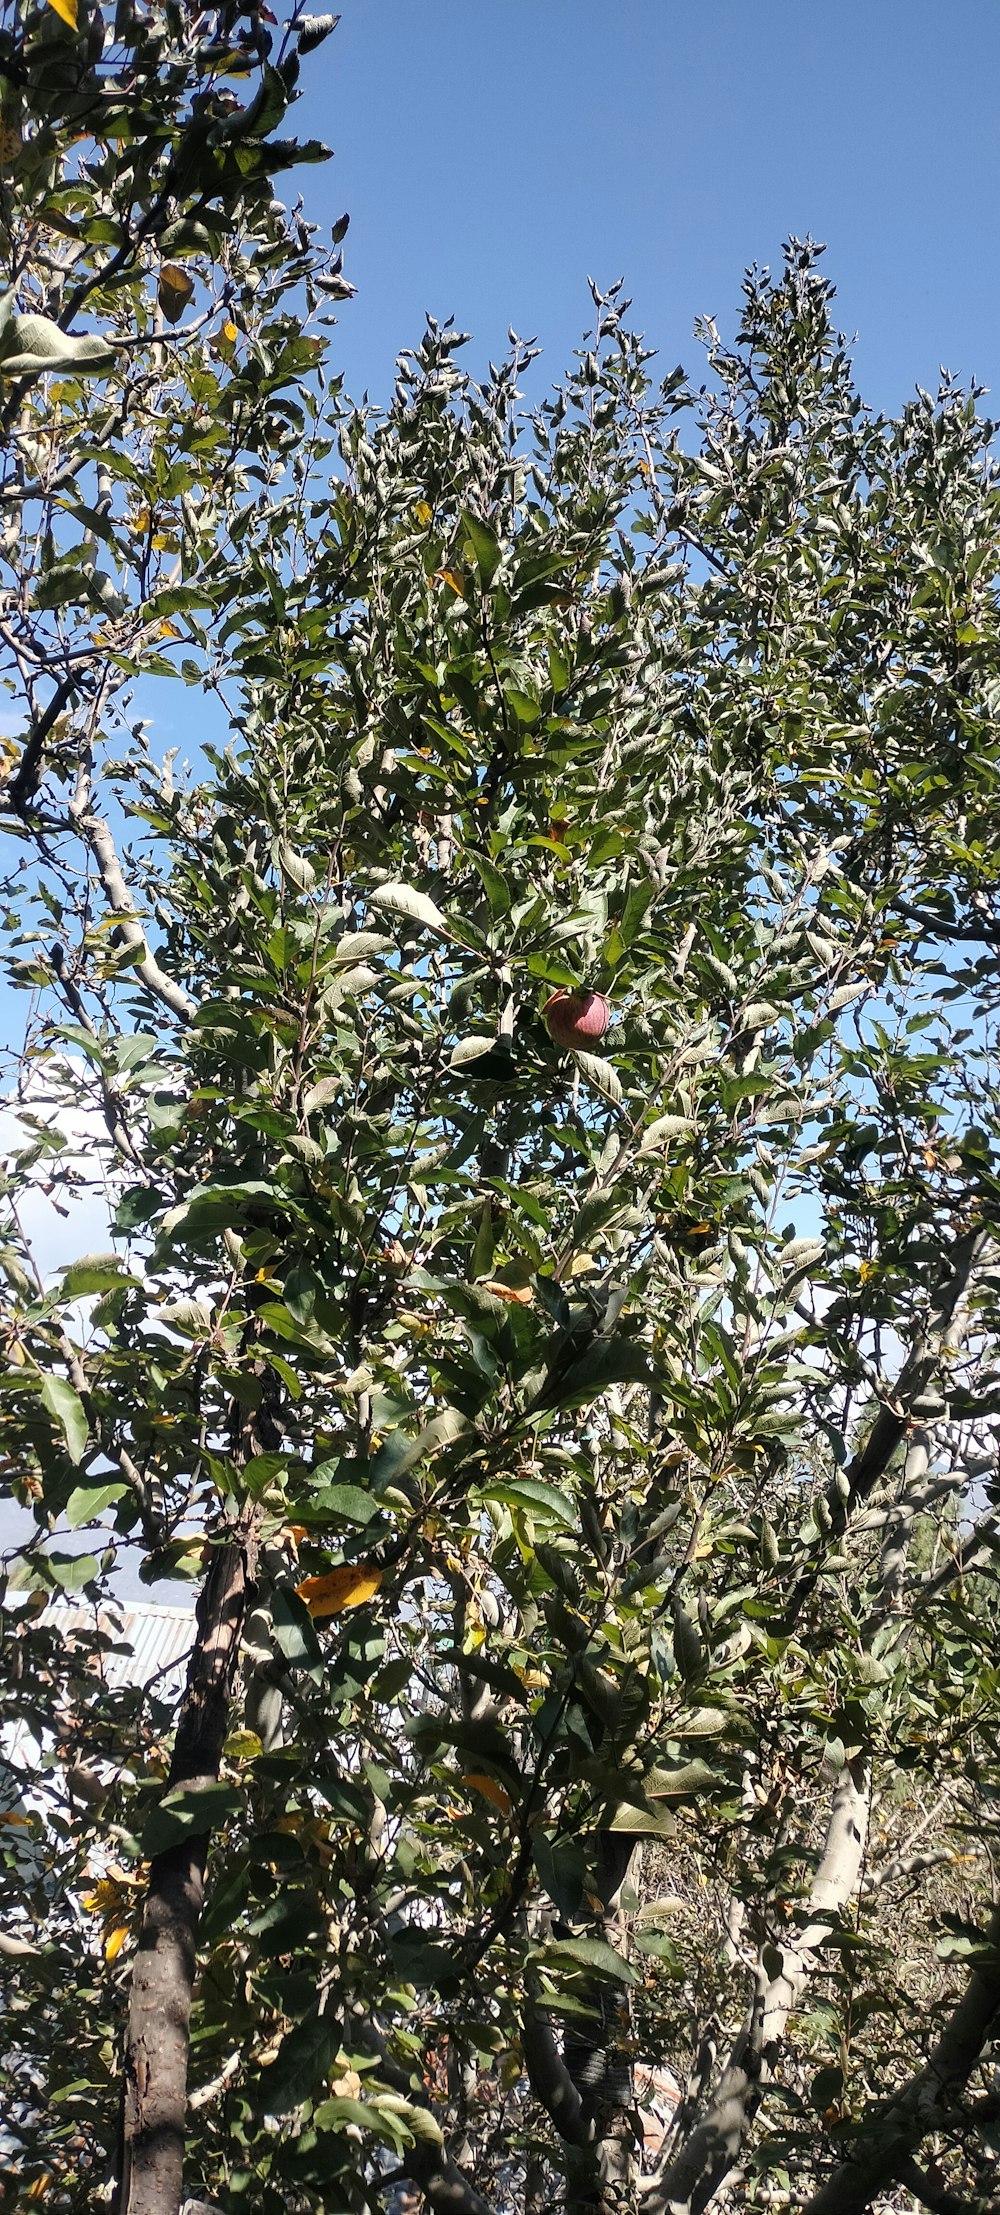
{"x": 66, "y": 1407}
{"x": 339, "y": 1589}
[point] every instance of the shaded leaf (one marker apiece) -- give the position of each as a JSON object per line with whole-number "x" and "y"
{"x": 174, "y": 289}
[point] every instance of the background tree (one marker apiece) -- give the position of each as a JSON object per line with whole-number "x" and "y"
{"x": 584, "y": 1458}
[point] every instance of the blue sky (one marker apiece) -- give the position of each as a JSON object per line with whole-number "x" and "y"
{"x": 493, "y": 153}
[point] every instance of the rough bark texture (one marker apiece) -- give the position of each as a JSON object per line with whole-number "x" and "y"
{"x": 156, "y": 2049}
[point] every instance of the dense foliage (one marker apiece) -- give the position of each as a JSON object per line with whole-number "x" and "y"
{"x": 583, "y": 1460}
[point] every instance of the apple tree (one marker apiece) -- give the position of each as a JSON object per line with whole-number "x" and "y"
{"x": 578, "y": 1440}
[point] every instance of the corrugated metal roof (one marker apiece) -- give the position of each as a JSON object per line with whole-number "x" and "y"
{"x": 150, "y": 1642}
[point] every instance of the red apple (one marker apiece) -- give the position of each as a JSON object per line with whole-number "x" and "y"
{"x": 576, "y": 1018}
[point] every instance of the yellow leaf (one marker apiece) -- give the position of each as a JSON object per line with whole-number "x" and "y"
{"x": 491, "y": 1790}
{"x": 168, "y": 629}
{"x": 868, "y": 1269}
{"x": 519, "y": 1295}
{"x": 114, "y": 1942}
{"x": 346, "y": 2083}
{"x": 102, "y": 1899}
{"x": 451, "y": 577}
{"x": 67, "y": 9}
{"x": 41, "y": 2184}
{"x": 424, "y": 513}
{"x": 349, "y": 1586}
{"x": 174, "y": 290}
{"x": 230, "y": 333}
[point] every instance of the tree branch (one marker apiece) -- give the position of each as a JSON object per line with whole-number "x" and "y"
{"x": 550, "y": 2079}
{"x": 935, "y": 2195}
{"x": 97, "y": 836}
{"x": 886, "y": 2144}
{"x": 444, "y": 2185}
{"x": 23, "y": 787}
{"x": 694, "y": 2175}
{"x": 156, "y": 2047}
{"x": 917, "y": 1393}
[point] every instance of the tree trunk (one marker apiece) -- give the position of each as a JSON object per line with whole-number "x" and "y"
{"x": 602, "y": 2171}
{"x": 150, "y": 2180}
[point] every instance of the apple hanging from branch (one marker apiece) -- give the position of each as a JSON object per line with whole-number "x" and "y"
{"x": 577, "y": 1018}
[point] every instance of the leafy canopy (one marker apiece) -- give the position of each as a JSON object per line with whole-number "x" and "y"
{"x": 605, "y": 1436}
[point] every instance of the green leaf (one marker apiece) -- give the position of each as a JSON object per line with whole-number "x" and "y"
{"x": 594, "y": 1954}
{"x": 95, "y": 1273}
{"x": 303, "y": 2062}
{"x": 345, "y": 1503}
{"x": 561, "y": 1864}
{"x": 286, "y": 1924}
{"x": 485, "y": 547}
{"x": 526, "y": 706}
{"x": 302, "y": 1289}
{"x": 260, "y": 1472}
{"x": 607, "y": 1361}
{"x": 685, "y": 1782}
{"x": 87, "y": 1501}
{"x": 404, "y": 899}
{"x": 600, "y": 1074}
{"x": 295, "y": 1633}
{"x": 542, "y": 1499}
{"x": 67, "y": 1409}
{"x": 189, "y": 1811}
{"x": 32, "y": 344}
{"x": 642, "y": 1822}
{"x": 495, "y": 883}
{"x": 334, "y": 2114}
{"x": 73, "y": 1571}
{"x": 136, "y": 1207}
